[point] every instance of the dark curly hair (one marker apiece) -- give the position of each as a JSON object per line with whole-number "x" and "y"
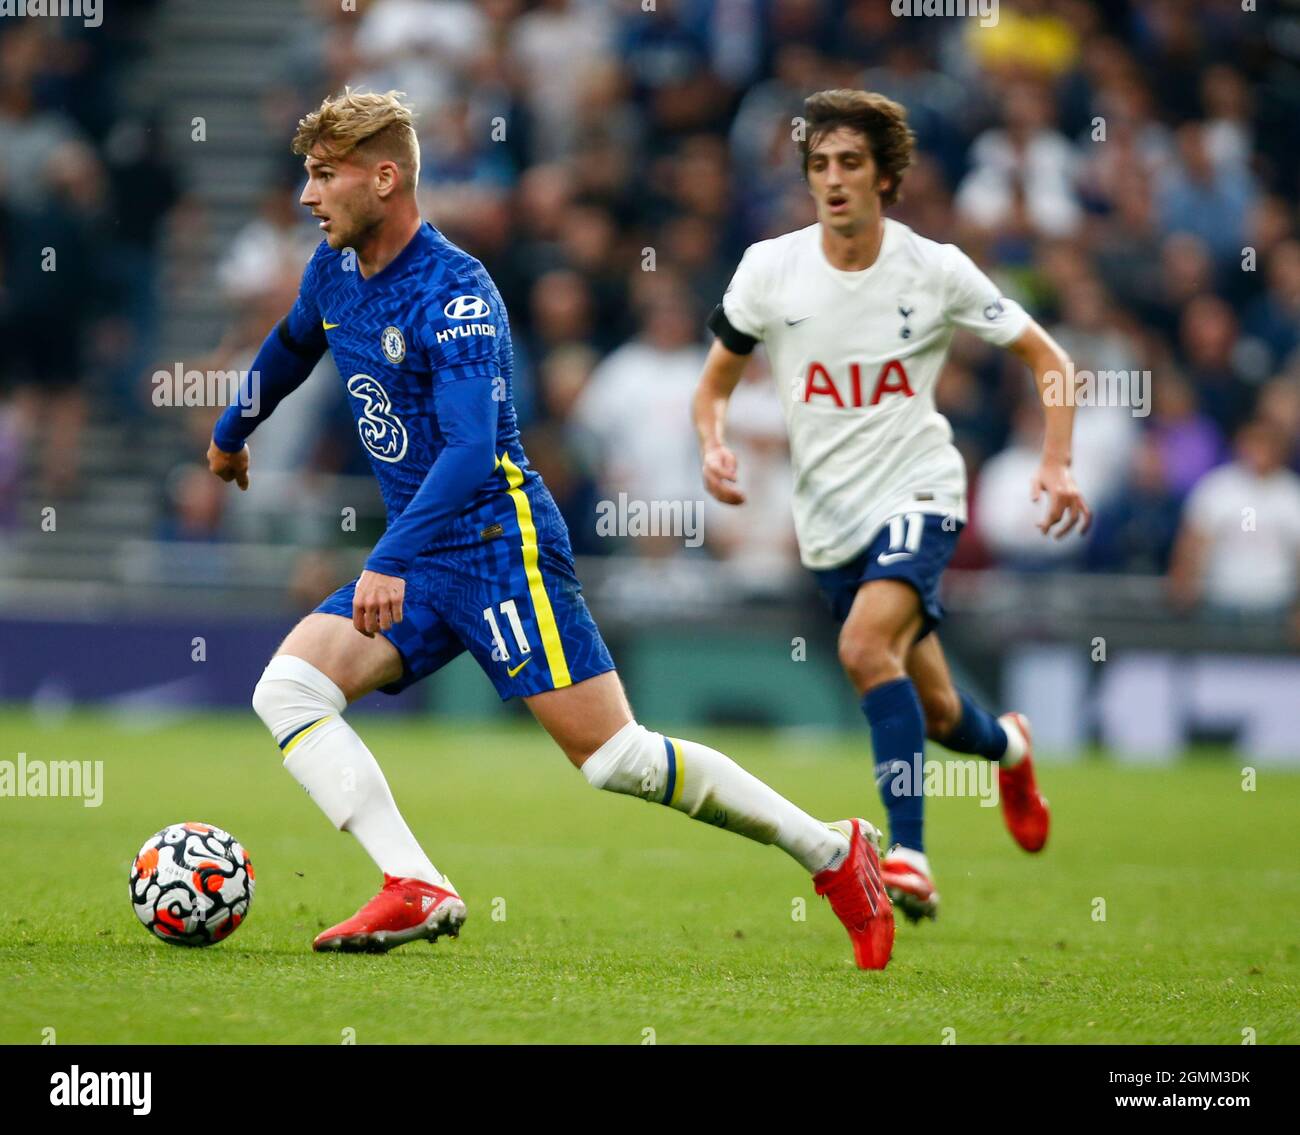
{"x": 880, "y": 120}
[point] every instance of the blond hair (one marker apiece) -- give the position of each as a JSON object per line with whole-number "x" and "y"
{"x": 375, "y": 127}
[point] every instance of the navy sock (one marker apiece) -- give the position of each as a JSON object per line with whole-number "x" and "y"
{"x": 898, "y": 737}
{"x": 978, "y": 731}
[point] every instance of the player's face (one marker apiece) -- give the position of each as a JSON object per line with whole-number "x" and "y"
{"x": 844, "y": 182}
{"x": 341, "y": 193}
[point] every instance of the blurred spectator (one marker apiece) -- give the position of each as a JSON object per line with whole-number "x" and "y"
{"x": 580, "y": 35}
{"x": 590, "y": 245}
{"x": 1123, "y": 144}
{"x": 666, "y": 58}
{"x": 1128, "y": 248}
{"x": 82, "y": 199}
{"x": 1022, "y": 179}
{"x": 1238, "y": 552}
{"x": 1270, "y": 223}
{"x": 53, "y": 273}
{"x": 756, "y": 539}
{"x": 568, "y": 458}
{"x": 30, "y": 134}
{"x": 317, "y": 57}
{"x": 1186, "y": 271}
{"x": 1008, "y": 518}
{"x": 978, "y": 423}
{"x": 281, "y": 234}
{"x": 1207, "y": 338}
{"x": 1279, "y": 404}
{"x": 772, "y": 106}
{"x": 563, "y": 310}
{"x": 1274, "y": 318}
{"x": 420, "y": 47}
{"x": 1226, "y": 99}
{"x": 143, "y": 187}
{"x": 458, "y": 156}
{"x": 196, "y": 505}
{"x": 637, "y": 404}
{"x": 1134, "y": 531}
{"x": 1206, "y": 197}
{"x": 1190, "y": 444}
{"x": 1175, "y": 49}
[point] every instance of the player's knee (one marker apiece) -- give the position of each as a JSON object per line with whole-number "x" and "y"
{"x": 868, "y": 660}
{"x": 942, "y": 713}
{"x": 629, "y": 762}
{"x": 292, "y": 693}
{"x": 268, "y": 698}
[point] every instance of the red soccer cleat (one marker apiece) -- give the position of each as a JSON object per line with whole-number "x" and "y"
{"x": 405, "y": 909}
{"x": 909, "y": 884}
{"x": 1023, "y": 806}
{"x": 858, "y": 897}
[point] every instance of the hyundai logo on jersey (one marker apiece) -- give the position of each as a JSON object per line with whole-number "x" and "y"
{"x": 466, "y": 307}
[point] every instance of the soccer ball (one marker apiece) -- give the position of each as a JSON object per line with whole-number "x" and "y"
{"x": 192, "y": 884}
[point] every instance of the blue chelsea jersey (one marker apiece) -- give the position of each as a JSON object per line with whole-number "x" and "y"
{"x": 431, "y": 316}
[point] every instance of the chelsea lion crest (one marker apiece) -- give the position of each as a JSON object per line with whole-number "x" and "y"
{"x": 393, "y": 344}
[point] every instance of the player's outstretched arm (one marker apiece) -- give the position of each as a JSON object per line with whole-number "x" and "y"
{"x": 283, "y": 363}
{"x": 722, "y": 372}
{"x": 1051, "y": 365}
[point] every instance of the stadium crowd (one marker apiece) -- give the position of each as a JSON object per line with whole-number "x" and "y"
{"x": 1126, "y": 170}
{"x": 84, "y": 193}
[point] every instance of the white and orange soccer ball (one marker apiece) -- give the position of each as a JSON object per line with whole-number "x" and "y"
{"x": 192, "y": 884}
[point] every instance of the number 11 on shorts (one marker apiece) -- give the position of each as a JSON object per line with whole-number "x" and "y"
{"x": 511, "y": 612}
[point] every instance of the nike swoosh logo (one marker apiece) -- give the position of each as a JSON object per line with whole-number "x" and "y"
{"x": 515, "y": 670}
{"x": 328, "y": 325}
{"x": 795, "y": 322}
{"x": 891, "y": 557}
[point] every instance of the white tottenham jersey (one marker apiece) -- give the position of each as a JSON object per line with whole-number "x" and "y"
{"x": 855, "y": 357}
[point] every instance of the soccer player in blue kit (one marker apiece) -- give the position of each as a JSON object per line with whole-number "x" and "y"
{"x": 475, "y": 555}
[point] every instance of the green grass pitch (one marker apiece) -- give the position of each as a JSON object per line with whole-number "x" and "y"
{"x": 602, "y": 919}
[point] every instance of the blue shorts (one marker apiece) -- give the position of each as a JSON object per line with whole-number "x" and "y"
{"x": 913, "y": 547}
{"x": 512, "y": 600}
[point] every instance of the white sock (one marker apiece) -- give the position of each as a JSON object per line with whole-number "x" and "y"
{"x": 1017, "y": 746}
{"x": 711, "y": 787}
{"x": 302, "y": 708}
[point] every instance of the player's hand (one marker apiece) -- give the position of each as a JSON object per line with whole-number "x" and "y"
{"x": 377, "y": 602}
{"x": 720, "y": 468}
{"x": 229, "y": 466}
{"x": 1064, "y": 501}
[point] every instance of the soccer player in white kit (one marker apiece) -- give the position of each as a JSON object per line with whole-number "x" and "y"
{"x": 856, "y": 313}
